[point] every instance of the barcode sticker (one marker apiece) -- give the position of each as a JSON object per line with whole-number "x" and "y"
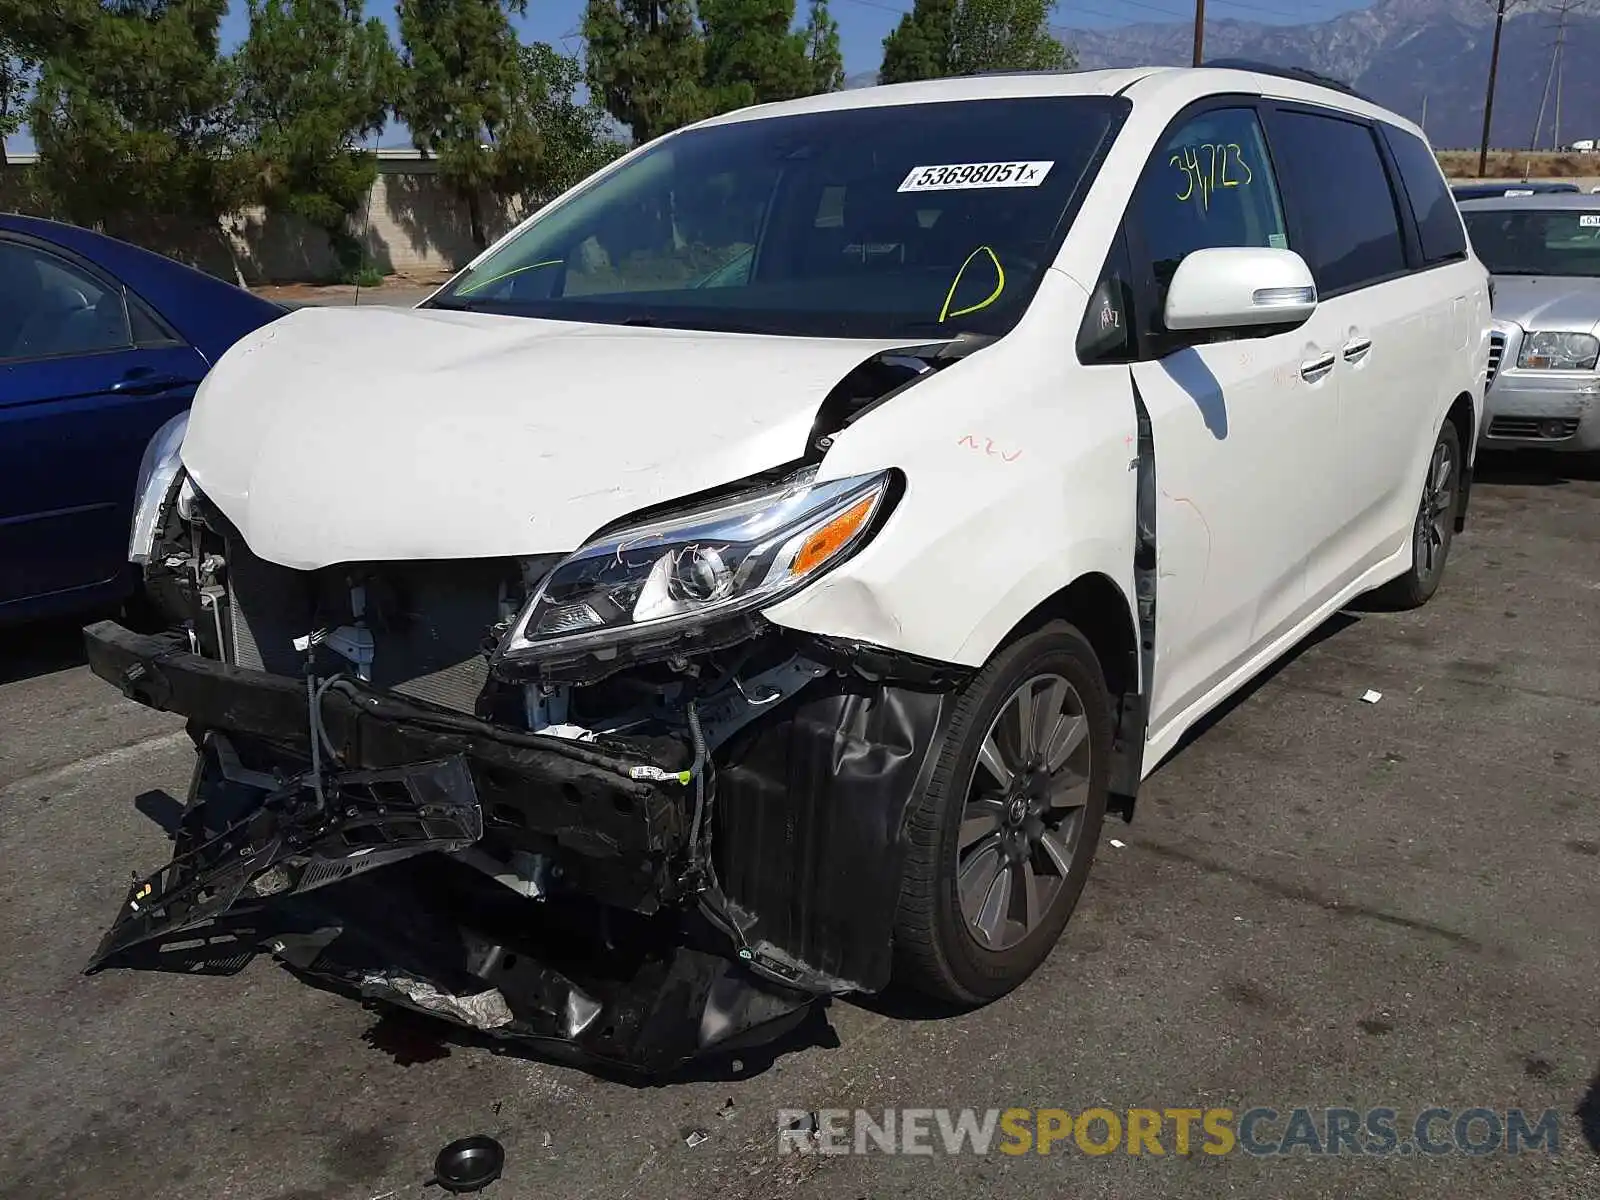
{"x": 955, "y": 176}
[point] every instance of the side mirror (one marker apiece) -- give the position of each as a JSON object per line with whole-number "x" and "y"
{"x": 1227, "y": 287}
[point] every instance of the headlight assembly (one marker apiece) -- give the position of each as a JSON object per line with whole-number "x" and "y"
{"x": 658, "y": 579}
{"x": 1559, "y": 351}
{"x": 157, "y": 470}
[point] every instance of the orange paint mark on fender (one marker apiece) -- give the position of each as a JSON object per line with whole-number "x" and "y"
{"x": 989, "y": 449}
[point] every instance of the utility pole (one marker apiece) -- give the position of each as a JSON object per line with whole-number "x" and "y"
{"x": 1424, "y": 112}
{"x": 1200, "y": 30}
{"x": 1488, "y": 100}
{"x": 1550, "y": 76}
{"x": 1561, "y": 61}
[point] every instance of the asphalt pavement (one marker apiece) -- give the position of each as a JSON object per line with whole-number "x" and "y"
{"x": 1321, "y": 901}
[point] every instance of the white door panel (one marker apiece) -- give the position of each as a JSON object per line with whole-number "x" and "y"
{"x": 1390, "y": 398}
{"x": 1245, "y": 429}
{"x": 1245, "y": 434}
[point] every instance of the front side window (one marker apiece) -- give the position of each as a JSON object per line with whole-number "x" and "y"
{"x": 50, "y": 308}
{"x": 1538, "y": 242}
{"x": 1340, "y": 191}
{"x": 1438, "y": 219}
{"x": 1209, "y": 184}
{"x": 914, "y": 220}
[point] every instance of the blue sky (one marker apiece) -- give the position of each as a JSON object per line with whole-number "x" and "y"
{"x": 863, "y": 23}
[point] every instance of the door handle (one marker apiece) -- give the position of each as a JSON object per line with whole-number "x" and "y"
{"x": 146, "y": 385}
{"x": 1357, "y": 350}
{"x": 1316, "y": 368}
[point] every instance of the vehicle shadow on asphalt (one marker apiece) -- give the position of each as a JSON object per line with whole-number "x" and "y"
{"x": 1331, "y": 628}
{"x": 1535, "y": 468}
{"x": 162, "y": 808}
{"x": 41, "y": 648}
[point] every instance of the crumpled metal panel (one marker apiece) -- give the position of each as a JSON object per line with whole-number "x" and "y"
{"x": 811, "y": 810}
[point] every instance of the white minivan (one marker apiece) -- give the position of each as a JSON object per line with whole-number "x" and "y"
{"x": 757, "y": 575}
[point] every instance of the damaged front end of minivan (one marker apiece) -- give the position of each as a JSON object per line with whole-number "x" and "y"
{"x": 593, "y": 801}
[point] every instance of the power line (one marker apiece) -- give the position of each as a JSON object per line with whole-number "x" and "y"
{"x": 1179, "y": 14}
{"x": 1276, "y": 12}
{"x": 1168, "y": 12}
{"x": 879, "y": 4}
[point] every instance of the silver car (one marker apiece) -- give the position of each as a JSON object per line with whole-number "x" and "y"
{"x": 1544, "y": 253}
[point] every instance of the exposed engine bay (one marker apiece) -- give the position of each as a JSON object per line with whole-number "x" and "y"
{"x": 639, "y": 845}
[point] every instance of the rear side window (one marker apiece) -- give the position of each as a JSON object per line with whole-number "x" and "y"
{"x": 147, "y": 328}
{"x": 1438, "y": 221}
{"x": 1339, "y": 189}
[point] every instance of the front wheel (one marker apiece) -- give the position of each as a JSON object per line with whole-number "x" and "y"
{"x": 1000, "y": 844}
{"x": 1435, "y": 526}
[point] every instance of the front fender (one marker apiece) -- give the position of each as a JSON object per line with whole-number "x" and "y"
{"x": 1019, "y": 468}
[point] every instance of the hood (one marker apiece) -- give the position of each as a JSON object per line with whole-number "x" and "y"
{"x": 358, "y": 435}
{"x": 1564, "y": 303}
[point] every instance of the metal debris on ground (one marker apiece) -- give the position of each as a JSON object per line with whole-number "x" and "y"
{"x": 694, "y": 1137}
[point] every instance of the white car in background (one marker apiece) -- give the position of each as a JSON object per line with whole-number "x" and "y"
{"x": 760, "y": 572}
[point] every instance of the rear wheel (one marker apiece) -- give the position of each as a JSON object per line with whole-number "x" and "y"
{"x": 1001, "y": 842}
{"x": 1435, "y": 527}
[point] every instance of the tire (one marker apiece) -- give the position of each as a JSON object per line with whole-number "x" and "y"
{"x": 1435, "y": 527}
{"x": 1048, "y": 825}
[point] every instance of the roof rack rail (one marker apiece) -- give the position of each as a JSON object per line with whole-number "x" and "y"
{"x": 1025, "y": 71}
{"x": 1301, "y": 74}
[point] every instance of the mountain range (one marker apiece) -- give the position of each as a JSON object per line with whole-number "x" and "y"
{"x": 1403, "y": 54}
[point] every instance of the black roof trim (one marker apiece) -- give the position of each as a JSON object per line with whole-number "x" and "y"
{"x": 1025, "y": 71}
{"x": 1299, "y": 74}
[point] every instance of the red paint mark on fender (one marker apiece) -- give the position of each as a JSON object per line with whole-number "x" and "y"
{"x": 989, "y": 449}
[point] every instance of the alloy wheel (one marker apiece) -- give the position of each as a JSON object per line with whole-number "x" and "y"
{"x": 1436, "y": 511}
{"x": 1024, "y": 811}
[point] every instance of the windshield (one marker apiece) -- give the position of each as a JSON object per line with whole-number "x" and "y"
{"x": 1538, "y": 241}
{"x": 926, "y": 220}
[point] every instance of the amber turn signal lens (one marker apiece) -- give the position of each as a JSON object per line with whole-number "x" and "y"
{"x": 827, "y": 541}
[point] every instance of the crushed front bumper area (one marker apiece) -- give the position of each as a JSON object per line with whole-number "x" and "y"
{"x": 642, "y": 981}
{"x": 620, "y": 943}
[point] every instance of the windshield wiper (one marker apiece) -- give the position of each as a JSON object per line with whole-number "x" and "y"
{"x": 462, "y": 305}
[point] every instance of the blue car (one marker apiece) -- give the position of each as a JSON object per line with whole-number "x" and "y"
{"x": 101, "y": 344}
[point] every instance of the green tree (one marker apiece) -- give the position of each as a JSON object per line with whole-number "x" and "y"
{"x": 822, "y": 49}
{"x": 463, "y": 93}
{"x": 16, "y": 81}
{"x": 938, "y": 38}
{"x": 574, "y": 137}
{"x": 134, "y": 112}
{"x": 645, "y": 62}
{"x": 1005, "y": 35}
{"x": 919, "y": 46}
{"x": 316, "y": 80}
{"x": 754, "y": 55}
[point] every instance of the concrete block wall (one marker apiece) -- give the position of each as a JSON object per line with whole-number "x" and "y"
{"x": 412, "y": 226}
